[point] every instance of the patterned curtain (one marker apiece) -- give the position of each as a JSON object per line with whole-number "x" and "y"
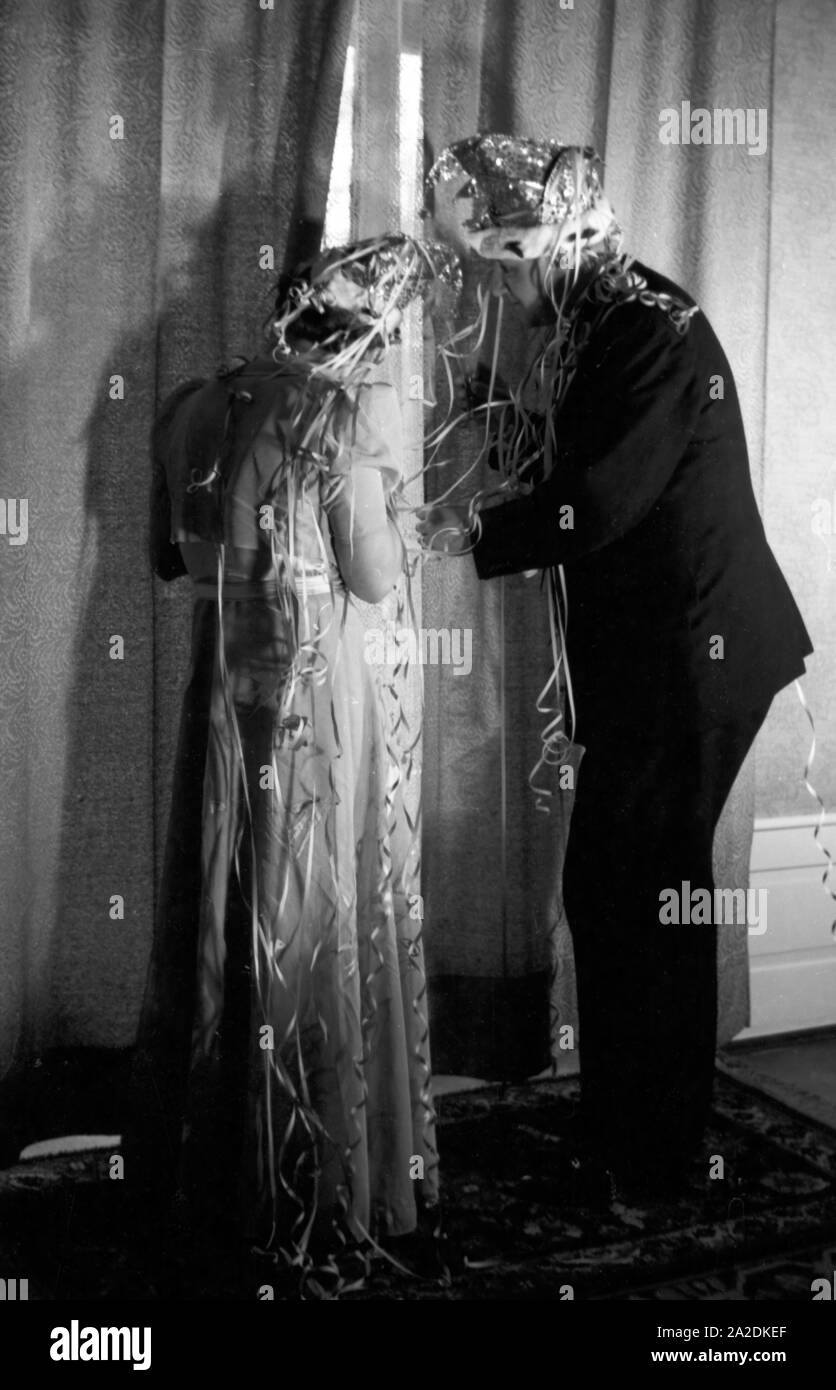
{"x": 131, "y": 262}
{"x": 589, "y": 74}
{"x": 159, "y": 161}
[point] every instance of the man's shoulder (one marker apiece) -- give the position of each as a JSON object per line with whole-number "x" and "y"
{"x": 698, "y": 331}
{"x": 636, "y": 309}
{"x": 641, "y": 293}
{"x": 659, "y": 284}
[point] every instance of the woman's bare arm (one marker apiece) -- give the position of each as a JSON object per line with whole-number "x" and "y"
{"x": 368, "y": 545}
{"x": 367, "y": 542}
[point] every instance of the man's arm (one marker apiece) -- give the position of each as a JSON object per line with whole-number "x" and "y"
{"x": 625, "y": 423}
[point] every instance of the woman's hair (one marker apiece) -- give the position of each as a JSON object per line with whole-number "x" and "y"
{"x": 328, "y": 324}
{"x": 343, "y": 300}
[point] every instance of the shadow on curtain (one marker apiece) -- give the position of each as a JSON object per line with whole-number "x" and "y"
{"x": 133, "y": 262}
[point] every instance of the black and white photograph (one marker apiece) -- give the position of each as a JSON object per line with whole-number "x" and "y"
{"x": 418, "y": 668}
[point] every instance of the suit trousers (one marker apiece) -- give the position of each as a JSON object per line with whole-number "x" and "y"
{"x": 646, "y": 807}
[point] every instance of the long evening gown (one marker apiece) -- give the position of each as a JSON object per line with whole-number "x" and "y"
{"x": 283, "y": 1066}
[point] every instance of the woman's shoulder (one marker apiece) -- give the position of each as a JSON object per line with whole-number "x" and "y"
{"x": 172, "y": 402}
{"x": 174, "y": 415}
{"x": 293, "y": 381}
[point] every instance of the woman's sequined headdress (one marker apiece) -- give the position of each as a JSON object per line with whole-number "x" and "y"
{"x": 370, "y": 278}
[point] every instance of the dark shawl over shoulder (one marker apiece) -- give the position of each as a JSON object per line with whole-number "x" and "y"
{"x": 166, "y": 560}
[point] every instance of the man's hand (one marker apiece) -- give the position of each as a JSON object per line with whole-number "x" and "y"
{"x": 444, "y": 529}
{"x": 476, "y": 389}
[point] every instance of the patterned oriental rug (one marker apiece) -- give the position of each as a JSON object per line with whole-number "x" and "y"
{"x": 765, "y": 1230}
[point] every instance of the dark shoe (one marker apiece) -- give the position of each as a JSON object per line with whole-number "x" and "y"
{"x": 586, "y": 1181}
{"x": 423, "y": 1254}
{"x": 651, "y": 1183}
{"x": 595, "y": 1187}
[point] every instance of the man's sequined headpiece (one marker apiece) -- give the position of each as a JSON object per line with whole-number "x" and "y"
{"x": 508, "y": 176}
{"x": 514, "y": 184}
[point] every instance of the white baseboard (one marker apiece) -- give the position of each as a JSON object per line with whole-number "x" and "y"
{"x": 793, "y": 964}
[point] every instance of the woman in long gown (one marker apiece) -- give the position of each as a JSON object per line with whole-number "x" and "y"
{"x": 283, "y": 1062}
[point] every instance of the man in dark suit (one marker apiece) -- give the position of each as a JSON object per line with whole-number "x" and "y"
{"x": 680, "y": 631}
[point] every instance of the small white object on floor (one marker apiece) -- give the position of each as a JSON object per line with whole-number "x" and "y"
{"x": 447, "y": 1085}
{"x": 70, "y": 1144}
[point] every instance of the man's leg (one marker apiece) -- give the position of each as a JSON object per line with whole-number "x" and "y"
{"x": 643, "y": 822}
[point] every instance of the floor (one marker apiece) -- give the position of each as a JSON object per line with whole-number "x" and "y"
{"x": 807, "y": 1061}
{"x": 798, "y": 1068}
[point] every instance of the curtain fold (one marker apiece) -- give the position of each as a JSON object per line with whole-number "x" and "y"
{"x": 386, "y": 195}
{"x": 588, "y": 75}
{"x": 134, "y": 262}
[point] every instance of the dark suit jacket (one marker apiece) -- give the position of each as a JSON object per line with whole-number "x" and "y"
{"x": 667, "y": 552}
